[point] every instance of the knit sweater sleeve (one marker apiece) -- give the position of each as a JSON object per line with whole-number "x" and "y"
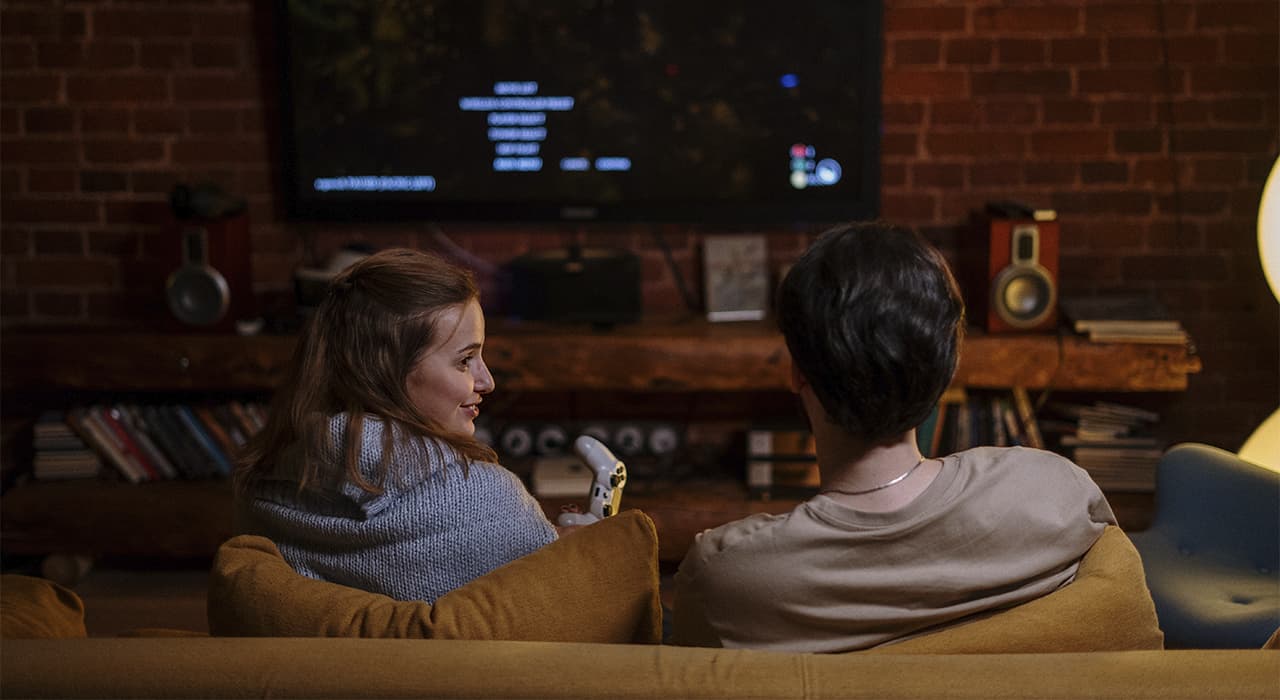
{"x": 435, "y": 527}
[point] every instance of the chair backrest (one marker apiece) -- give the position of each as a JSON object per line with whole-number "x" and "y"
{"x": 1221, "y": 505}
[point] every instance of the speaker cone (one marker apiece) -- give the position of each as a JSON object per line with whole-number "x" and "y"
{"x": 1023, "y": 295}
{"x": 198, "y": 294}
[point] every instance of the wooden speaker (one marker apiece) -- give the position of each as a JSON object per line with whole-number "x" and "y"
{"x": 1011, "y": 281}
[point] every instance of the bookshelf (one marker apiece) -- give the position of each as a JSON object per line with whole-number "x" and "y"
{"x": 189, "y": 518}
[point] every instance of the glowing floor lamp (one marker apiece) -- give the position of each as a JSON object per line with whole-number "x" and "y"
{"x": 1263, "y": 446}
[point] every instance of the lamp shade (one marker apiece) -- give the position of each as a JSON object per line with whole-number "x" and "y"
{"x": 1269, "y": 229}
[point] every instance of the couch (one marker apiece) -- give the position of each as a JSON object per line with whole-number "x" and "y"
{"x": 516, "y": 633}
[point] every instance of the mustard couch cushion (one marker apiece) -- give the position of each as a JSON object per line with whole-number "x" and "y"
{"x": 1106, "y": 608}
{"x": 37, "y": 608}
{"x": 596, "y": 584}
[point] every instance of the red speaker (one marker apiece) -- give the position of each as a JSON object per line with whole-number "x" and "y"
{"x": 212, "y": 286}
{"x": 1012, "y": 278}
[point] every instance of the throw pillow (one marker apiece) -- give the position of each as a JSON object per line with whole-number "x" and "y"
{"x": 596, "y": 584}
{"x": 37, "y": 608}
{"x": 1106, "y": 608}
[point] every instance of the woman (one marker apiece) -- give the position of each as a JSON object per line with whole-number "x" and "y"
{"x": 368, "y": 472}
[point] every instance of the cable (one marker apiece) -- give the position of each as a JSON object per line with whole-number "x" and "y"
{"x": 690, "y": 303}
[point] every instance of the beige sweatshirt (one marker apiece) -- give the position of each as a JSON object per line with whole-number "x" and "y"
{"x": 997, "y": 527}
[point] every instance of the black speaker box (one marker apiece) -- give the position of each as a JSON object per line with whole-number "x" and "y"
{"x": 584, "y": 285}
{"x": 1010, "y": 273}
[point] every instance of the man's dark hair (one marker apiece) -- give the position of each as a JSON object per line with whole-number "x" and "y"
{"x": 873, "y": 319}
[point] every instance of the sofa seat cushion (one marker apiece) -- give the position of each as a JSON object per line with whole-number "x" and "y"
{"x": 596, "y": 584}
{"x": 37, "y": 608}
{"x": 1106, "y": 608}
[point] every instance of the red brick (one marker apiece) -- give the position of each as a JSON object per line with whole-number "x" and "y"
{"x": 1126, "y": 111}
{"x": 15, "y": 242}
{"x": 1123, "y": 50}
{"x": 1187, "y": 112}
{"x": 1226, "y": 140}
{"x": 47, "y": 180}
{"x": 15, "y": 304}
{"x": 1130, "y": 81}
{"x": 214, "y": 121}
{"x": 1042, "y": 172}
{"x": 45, "y": 151}
{"x": 930, "y": 20}
{"x": 117, "y": 88}
{"x": 1129, "y": 18}
{"x": 43, "y": 273}
{"x": 57, "y": 304}
{"x": 1028, "y": 82}
{"x": 1075, "y": 51}
{"x": 1112, "y": 234}
{"x": 996, "y": 173}
{"x": 1080, "y": 143}
{"x": 103, "y": 181}
{"x": 237, "y": 150}
{"x": 234, "y": 23}
{"x": 1091, "y": 268}
{"x": 914, "y": 52}
{"x": 900, "y": 144}
{"x": 17, "y": 55}
{"x": 104, "y": 120}
{"x": 1069, "y": 111}
{"x": 952, "y": 112}
{"x": 49, "y": 120}
{"x": 1193, "y": 202}
{"x": 899, "y": 113}
{"x": 1010, "y": 113}
{"x": 1017, "y": 52}
{"x": 150, "y": 212}
{"x": 1243, "y": 110}
{"x": 1197, "y": 49}
{"x": 1218, "y": 171}
{"x": 1128, "y": 141}
{"x": 1104, "y": 172}
{"x": 980, "y": 144}
{"x": 58, "y": 242}
{"x": 214, "y": 88}
{"x": 1237, "y": 15}
{"x": 121, "y": 151}
{"x": 59, "y": 54}
{"x": 1234, "y": 79}
{"x": 50, "y": 22}
{"x": 1159, "y": 171}
{"x": 162, "y": 54}
{"x": 216, "y": 54}
{"x": 142, "y": 23}
{"x": 924, "y": 83}
{"x": 61, "y": 210}
{"x": 1251, "y": 49}
{"x": 153, "y": 182}
{"x": 910, "y": 209}
{"x": 1122, "y": 202}
{"x": 937, "y": 175}
{"x": 1179, "y": 268}
{"x": 10, "y": 180}
{"x": 1031, "y": 20}
{"x": 159, "y": 120}
{"x": 967, "y": 51}
{"x": 30, "y": 87}
{"x": 117, "y": 243}
{"x": 892, "y": 175}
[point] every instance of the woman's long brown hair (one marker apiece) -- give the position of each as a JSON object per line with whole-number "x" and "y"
{"x": 352, "y": 357}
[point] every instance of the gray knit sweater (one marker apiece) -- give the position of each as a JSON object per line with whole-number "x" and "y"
{"x": 430, "y": 531}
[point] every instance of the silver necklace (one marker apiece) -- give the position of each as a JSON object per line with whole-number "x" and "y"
{"x": 883, "y": 486}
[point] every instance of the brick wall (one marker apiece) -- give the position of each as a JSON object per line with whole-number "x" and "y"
{"x": 1149, "y": 126}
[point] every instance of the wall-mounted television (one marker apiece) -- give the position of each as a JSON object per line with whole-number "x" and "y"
{"x": 546, "y": 110}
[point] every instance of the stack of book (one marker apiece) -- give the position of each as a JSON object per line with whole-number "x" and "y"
{"x": 1113, "y": 443}
{"x": 964, "y": 419}
{"x": 170, "y": 441}
{"x": 1123, "y": 318}
{"x": 782, "y": 461}
{"x": 59, "y": 451}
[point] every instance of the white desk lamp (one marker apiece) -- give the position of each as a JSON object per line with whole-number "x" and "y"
{"x": 1263, "y": 446}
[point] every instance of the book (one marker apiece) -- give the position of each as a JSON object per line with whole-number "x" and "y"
{"x": 1123, "y": 318}
{"x": 59, "y": 452}
{"x": 97, "y": 437}
{"x": 1027, "y": 417}
{"x": 194, "y": 427}
{"x": 136, "y": 427}
{"x": 111, "y": 418}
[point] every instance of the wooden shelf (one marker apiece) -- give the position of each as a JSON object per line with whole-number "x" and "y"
{"x": 646, "y": 357}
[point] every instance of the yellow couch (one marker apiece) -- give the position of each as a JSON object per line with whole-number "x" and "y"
{"x": 505, "y": 636}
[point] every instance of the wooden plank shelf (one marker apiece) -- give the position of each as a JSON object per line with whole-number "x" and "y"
{"x": 645, "y": 357}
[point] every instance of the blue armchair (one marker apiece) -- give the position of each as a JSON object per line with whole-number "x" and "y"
{"x": 1212, "y": 553}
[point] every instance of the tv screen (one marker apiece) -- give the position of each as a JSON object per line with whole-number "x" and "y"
{"x": 618, "y": 110}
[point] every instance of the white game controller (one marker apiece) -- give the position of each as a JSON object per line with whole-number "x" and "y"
{"x": 606, "y": 489}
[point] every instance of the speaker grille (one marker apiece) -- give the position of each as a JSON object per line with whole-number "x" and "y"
{"x": 198, "y": 295}
{"x": 1023, "y": 295}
